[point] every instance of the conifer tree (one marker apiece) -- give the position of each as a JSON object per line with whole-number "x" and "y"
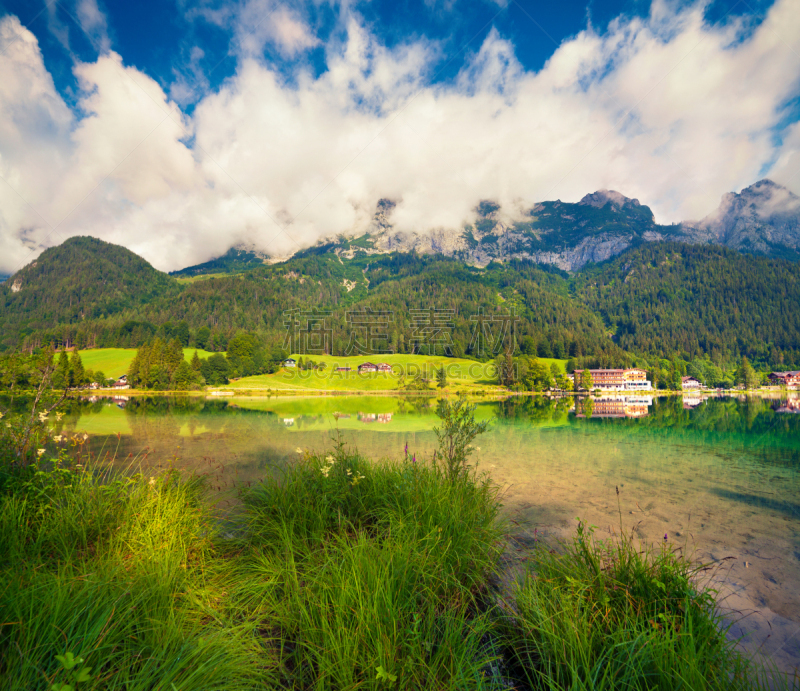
{"x": 61, "y": 374}
{"x": 76, "y": 370}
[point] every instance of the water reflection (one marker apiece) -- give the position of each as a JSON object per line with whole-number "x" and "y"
{"x": 614, "y": 406}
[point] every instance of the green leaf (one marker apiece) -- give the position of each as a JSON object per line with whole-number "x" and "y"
{"x": 68, "y": 660}
{"x": 386, "y": 676}
{"x": 82, "y": 675}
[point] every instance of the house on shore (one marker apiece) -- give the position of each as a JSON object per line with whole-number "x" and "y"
{"x": 790, "y": 380}
{"x": 690, "y": 384}
{"x": 633, "y": 379}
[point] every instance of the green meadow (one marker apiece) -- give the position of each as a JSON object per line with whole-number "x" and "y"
{"x": 114, "y": 362}
{"x": 468, "y": 376}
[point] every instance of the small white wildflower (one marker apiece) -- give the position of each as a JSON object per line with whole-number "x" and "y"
{"x": 85, "y": 436}
{"x": 152, "y": 481}
{"x": 349, "y": 472}
{"x": 329, "y": 458}
{"x": 57, "y": 438}
{"x": 299, "y": 450}
{"x": 325, "y": 471}
{"x": 39, "y": 452}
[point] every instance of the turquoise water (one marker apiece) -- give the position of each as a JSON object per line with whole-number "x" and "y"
{"x": 720, "y": 477}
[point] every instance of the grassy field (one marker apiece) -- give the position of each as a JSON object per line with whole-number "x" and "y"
{"x": 114, "y": 362}
{"x": 462, "y": 375}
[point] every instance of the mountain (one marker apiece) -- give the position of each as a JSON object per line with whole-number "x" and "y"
{"x": 567, "y": 235}
{"x": 81, "y": 280}
{"x": 656, "y": 299}
{"x": 236, "y": 259}
{"x": 695, "y": 299}
{"x": 762, "y": 219}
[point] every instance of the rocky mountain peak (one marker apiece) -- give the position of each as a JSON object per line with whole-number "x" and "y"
{"x": 602, "y": 197}
{"x": 758, "y": 219}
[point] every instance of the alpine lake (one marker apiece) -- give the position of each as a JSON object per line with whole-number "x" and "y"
{"x": 716, "y": 476}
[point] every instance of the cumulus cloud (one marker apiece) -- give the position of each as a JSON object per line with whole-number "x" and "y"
{"x": 666, "y": 109}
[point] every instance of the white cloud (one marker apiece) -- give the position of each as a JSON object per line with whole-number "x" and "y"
{"x": 665, "y": 109}
{"x": 94, "y": 24}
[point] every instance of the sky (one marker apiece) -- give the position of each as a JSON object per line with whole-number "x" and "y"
{"x": 180, "y": 129}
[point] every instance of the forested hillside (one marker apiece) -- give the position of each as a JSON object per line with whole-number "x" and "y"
{"x": 655, "y": 300}
{"x": 79, "y": 281}
{"x": 695, "y": 299}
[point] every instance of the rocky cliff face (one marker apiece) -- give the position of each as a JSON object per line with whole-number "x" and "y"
{"x": 602, "y": 225}
{"x": 763, "y": 218}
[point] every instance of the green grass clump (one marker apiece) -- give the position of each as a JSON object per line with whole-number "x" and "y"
{"x": 375, "y": 571}
{"x": 120, "y": 573}
{"x": 613, "y": 615}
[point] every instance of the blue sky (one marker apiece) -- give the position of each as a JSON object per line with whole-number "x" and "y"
{"x": 157, "y": 37}
{"x": 179, "y": 129}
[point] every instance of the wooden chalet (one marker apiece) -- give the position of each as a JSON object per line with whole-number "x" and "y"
{"x": 788, "y": 379}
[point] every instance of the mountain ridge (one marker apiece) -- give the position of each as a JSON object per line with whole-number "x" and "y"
{"x": 657, "y": 299}
{"x": 763, "y": 219}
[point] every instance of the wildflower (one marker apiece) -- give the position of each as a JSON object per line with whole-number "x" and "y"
{"x": 665, "y": 537}
{"x": 414, "y": 458}
{"x": 152, "y": 482}
{"x": 357, "y": 479}
{"x": 325, "y": 470}
{"x": 85, "y": 436}
{"x": 39, "y": 452}
{"x": 329, "y": 458}
{"x": 299, "y": 450}
{"x": 59, "y": 416}
{"x": 1, "y": 416}
{"x": 57, "y": 438}
{"x": 406, "y": 450}
{"x": 349, "y": 472}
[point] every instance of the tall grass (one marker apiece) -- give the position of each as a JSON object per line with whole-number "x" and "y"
{"x": 346, "y": 574}
{"x": 120, "y": 573}
{"x": 616, "y": 615}
{"x": 376, "y": 573}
